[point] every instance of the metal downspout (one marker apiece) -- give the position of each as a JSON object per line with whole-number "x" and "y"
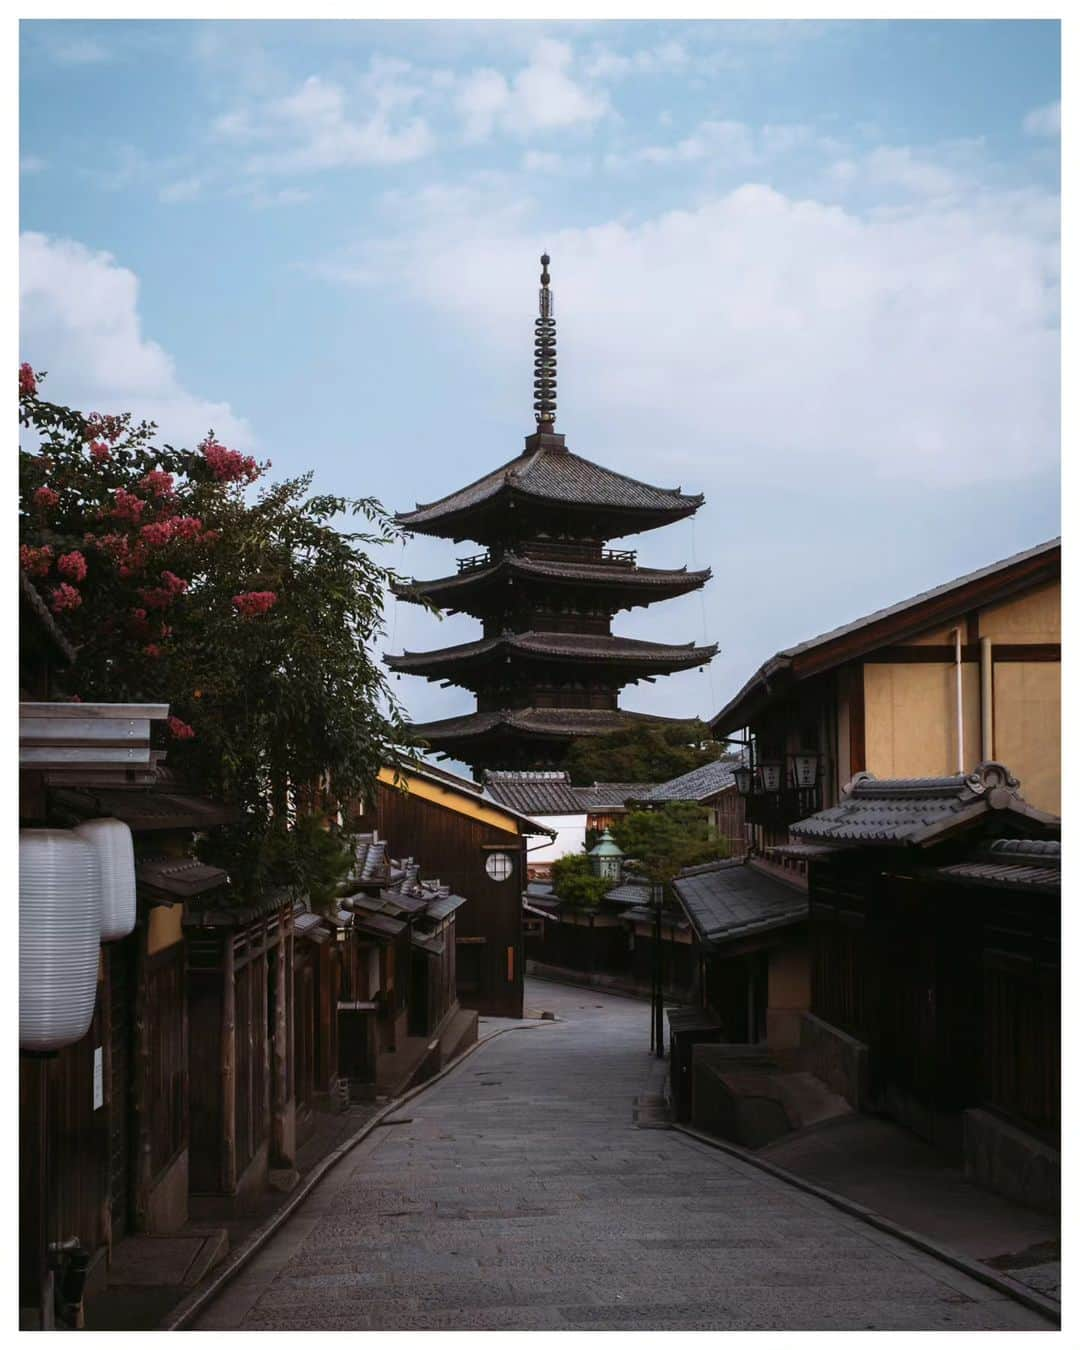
{"x": 986, "y": 672}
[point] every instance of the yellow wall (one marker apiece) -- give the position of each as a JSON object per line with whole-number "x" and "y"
{"x": 165, "y": 927}
{"x": 1033, "y": 617}
{"x": 1027, "y": 728}
{"x": 911, "y": 719}
{"x": 911, "y": 707}
{"x": 454, "y": 799}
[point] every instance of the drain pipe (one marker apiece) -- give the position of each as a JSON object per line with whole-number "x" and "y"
{"x": 959, "y": 702}
{"x": 986, "y": 672}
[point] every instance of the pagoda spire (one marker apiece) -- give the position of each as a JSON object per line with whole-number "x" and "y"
{"x": 544, "y": 361}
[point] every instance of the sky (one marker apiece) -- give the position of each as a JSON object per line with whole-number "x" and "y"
{"x": 810, "y": 269}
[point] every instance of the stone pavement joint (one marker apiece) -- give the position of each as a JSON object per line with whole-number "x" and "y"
{"x": 536, "y": 1203}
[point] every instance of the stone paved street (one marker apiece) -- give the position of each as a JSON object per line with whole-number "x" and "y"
{"x": 518, "y": 1193}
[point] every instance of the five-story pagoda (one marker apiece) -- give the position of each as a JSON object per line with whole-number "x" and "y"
{"x": 548, "y": 668}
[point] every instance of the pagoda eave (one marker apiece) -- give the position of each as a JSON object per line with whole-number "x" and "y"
{"x": 622, "y": 659}
{"x": 637, "y": 586}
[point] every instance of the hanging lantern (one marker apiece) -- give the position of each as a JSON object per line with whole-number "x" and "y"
{"x": 744, "y": 779}
{"x": 116, "y": 858}
{"x": 60, "y": 897}
{"x": 804, "y": 766}
{"x": 772, "y": 774}
{"x": 606, "y": 858}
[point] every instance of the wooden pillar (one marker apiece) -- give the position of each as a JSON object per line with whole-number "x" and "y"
{"x": 143, "y": 1104}
{"x": 280, "y": 1145}
{"x": 228, "y": 1067}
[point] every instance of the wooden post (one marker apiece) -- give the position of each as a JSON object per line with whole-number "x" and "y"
{"x": 228, "y": 1068}
{"x": 279, "y": 1151}
{"x": 143, "y": 1105}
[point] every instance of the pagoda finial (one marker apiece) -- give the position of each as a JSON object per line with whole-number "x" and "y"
{"x": 544, "y": 361}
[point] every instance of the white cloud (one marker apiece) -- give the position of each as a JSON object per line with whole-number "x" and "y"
{"x": 898, "y": 166}
{"x": 731, "y": 143}
{"x": 80, "y": 322}
{"x": 32, "y": 164}
{"x": 554, "y": 165}
{"x": 313, "y": 129}
{"x": 543, "y": 96}
{"x": 664, "y": 58}
{"x": 182, "y": 190}
{"x": 769, "y": 336}
{"x": 78, "y": 51}
{"x": 1045, "y": 121}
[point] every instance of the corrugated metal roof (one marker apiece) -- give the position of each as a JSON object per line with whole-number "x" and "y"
{"x": 729, "y": 900}
{"x": 723, "y": 719}
{"x": 538, "y": 793}
{"x": 697, "y": 784}
{"x": 558, "y": 477}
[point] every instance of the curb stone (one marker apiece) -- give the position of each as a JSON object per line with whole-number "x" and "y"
{"x": 188, "y": 1308}
{"x": 1020, "y": 1293}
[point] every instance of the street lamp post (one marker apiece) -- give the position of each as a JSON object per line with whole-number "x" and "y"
{"x": 658, "y": 972}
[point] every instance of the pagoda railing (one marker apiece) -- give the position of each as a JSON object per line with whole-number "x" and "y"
{"x": 557, "y": 552}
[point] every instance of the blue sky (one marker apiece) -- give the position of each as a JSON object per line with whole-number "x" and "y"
{"x": 810, "y": 269}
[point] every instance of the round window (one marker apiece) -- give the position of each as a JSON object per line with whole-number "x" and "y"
{"x": 499, "y": 866}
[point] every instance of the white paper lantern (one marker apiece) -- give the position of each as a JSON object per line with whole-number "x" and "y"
{"x": 116, "y": 856}
{"x": 59, "y": 937}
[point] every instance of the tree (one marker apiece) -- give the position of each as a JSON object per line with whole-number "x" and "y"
{"x": 663, "y": 841}
{"x": 573, "y": 880}
{"x": 643, "y": 753}
{"x": 251, "y": 618}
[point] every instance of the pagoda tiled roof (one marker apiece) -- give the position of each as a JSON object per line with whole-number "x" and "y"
{"x": 558, "y": 723}
{"x": 537, "y": 792}
{"x": 556, "y": 476}
{"x": 667, "y": 581}
{"x": 599, "y": 647}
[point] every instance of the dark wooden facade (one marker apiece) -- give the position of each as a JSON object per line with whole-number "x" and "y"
{"x": 455, "y": 840}
{"x": 602, "y": 946}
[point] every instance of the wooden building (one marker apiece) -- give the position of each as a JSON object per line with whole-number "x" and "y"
{"x": 934, "y": 919}
{"x": 606, "y": 803}
{"x": 547, "y": 668}
{"x": 548, "y": 797}
{"x": 712, "y": 787}
{"x": 479, "y": 849}
{"x": 968, "y": 671}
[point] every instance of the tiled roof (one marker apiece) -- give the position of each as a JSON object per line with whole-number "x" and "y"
{"x": 916, "y": 811}
{"x": 729, "y": 900}
{"x": 560, "y": 722}
{"x": 601, "y": 647}
{"x": 609, "y": 796}
{"x": 558, "y": 477}
{"x": 1010, "y": 864}
{"x": 697, "y": 784}
{"x": 728, "y": 717}
{"x": 536, "y": 793}
{"x": 32, "y": 597}
{"x": 670, "y": 580}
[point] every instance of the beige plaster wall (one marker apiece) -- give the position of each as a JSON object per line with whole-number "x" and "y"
{"x": 911, "y": 719}
{"x": 1032, "y": 617}
{"x": 1027, "y": 728}
{"x": 165, "y": 927}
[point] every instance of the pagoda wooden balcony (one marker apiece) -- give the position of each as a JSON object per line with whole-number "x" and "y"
{"x": 557, "y": 552}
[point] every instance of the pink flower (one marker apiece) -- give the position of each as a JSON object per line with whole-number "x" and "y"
{"x": 27, "y": 382}
{"x": 99, "y": 452}
{"x": 152, "y": 650}
{"x": 180, "y": 730}
{"x": 35, "y": 561}
{"x": 64, "y": 597}
{"x": 157, "y": 483}
{"x": 158, "y": 533}
{"x": 250, "y": 603}
{"x": 45, "y": 498}
{"x": 176, "y": 585}
{"x": 106, "y": 426}
{"x": 128, "y": 506}
{"x": 185, "y": 527}
{"x": 72, "y": 565}
{"x": 228, "y": 466}
{"x": 139, "y": 615}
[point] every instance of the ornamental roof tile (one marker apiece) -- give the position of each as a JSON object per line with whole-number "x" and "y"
{"x": 558, "y": 477}
{"x": 916, "y": 812}
{"x": 728, "y": 900}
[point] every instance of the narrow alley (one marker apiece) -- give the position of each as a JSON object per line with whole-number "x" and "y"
{"x": 519, "y": 1193}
